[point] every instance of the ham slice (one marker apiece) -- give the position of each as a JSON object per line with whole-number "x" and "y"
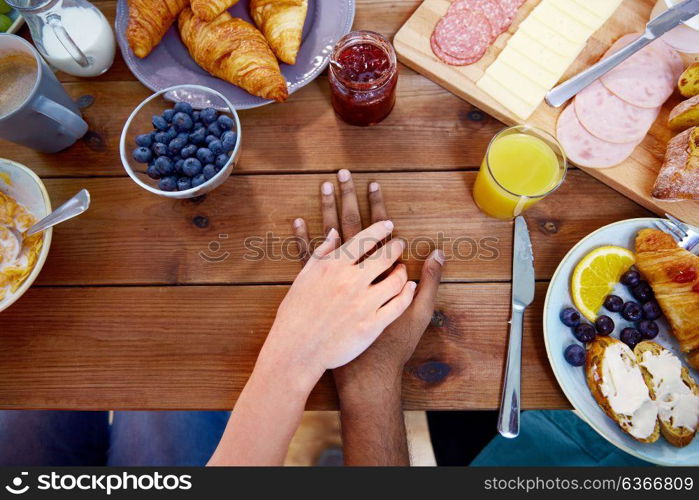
{"x": 611, "y": 119}
{"x": 583, "y": 148}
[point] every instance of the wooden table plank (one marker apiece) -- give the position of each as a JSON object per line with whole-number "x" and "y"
{"x": 176, "y": 348}
{"x": 130, "y": 236}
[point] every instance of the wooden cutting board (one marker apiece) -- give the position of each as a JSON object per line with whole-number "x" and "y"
{"x": 635, "y": 177}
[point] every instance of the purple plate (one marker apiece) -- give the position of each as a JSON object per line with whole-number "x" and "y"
{"x": 170, "y": 63}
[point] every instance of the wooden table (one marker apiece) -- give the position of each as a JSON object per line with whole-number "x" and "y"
{"x": 127, "y": 314}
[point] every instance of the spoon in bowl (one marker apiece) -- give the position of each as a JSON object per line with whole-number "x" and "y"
{"x": 71, "y": 208}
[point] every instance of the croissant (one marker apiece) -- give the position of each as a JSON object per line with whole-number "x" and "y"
{"x": 282, "y": 23}
{"x": 235, "y": 51}
{"x": 209, "y": 9}
{"x": 149, "y": 20}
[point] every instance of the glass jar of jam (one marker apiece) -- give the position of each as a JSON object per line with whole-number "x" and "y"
{"x": 363, "y": 75}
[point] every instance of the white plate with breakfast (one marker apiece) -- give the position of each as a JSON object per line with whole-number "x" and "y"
{"x": 621, "y": 327}
{"x": 23, "y": 201}
{"x": 254, "y": 52}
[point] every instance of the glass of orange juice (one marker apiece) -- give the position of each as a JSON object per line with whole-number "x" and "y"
{"x": 521, "y": 166}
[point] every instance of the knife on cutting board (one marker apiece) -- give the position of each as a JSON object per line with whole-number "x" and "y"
{"x": 522, "y": 295}
{"x": 657, "y": 27}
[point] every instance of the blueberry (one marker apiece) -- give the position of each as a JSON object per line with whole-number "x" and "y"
{"x": 191, "y": 167}
{"x": 631, "y": 278}
{"x": 195, "y": 116}
{"x": 584, "y": 332}
{"x": 168, "y": 114}
{"x": 144, "y": 140}
{"x": 631, "y": 311}
{"x": 164, "y": 165}
{"x": 152, "y": 171}
{"x": 168, "y": 183}
{"x": 613, "y": 303}
{"x": 630, "y": 337}
{"x": 183, "y": 107}
{"x": 221, "y": 161}
{"x": 188, "y": 150}
{"x": 209, "y": 171}
{"x": 208, "y": 115}
{"x": 171, "y": 133}
{"x": 642, "y": 292}
{"x": 205, "y": 155}
{"x": 161, "y": 137}
{"x": 570, "y": 317}
{"x": 649, "y": 329}
{"x": 198, "y": 180}
{"x": 184, "y": 183}
{"x": 218, "y": 169}
{"x": 651, "y": 310}
{"x": 216, "y": 147}
{"x": 210, "y": 138}
{"x": 178, "y": 166}
{"x": 228, "y": 139}
{"x": 198, "y": 136}
{"x": 159, "y": 122}
{"x": 176, "y": 145}
{"x": 182, "y": 122}
{"x": 604, "y": 325}
{"x": 159, "y": 149}
{"x": 214, "y": 129}
{"x": 142, "y": 155}
{"x": 225, "y": 122}
{"x": 575, "y": 355}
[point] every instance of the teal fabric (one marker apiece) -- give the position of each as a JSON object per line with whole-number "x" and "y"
{"x": 554, "y": 438}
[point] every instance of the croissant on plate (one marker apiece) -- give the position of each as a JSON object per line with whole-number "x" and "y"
{"x": 235, "y": 51}
{"x": 281, "y": 21}
{"x": 209, "y": 9}
{"x": 149, "y": 20}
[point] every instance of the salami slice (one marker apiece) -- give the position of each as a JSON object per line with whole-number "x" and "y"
{"x": 510, "y": 7}
{"x": 444, "y": 57}
{"x": 583, "y": 148}
{"x": 611, "y": 119}
{"x": 489, "y": 8}
{"x": 464, "y": 36}
{"x": 646, "y": 79}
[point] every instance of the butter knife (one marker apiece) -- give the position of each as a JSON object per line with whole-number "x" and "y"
{"x": 522, "y": 296}
{"x": 657, "y": 27}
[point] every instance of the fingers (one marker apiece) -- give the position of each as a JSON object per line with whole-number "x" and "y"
{"x": 392, "y": 310}
{"x": 391, "y": 285}
{"x": 302, "y": 240}
{"x": 332, "y": 242}
{"x": 429, "y": 283}
{"x": 376, "y": 203}
{"x": 381, "y": 260}
{"x": 328, "y": 207}
{"x": 366, "y": 240}
{"x": 351, "y": 221}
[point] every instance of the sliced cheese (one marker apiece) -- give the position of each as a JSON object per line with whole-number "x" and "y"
{"x": 505, "y": 97}
{"x": 564, "y": 24}
{"x": 603, "y": 8}
{"x": 549, "y": 38}
{"x": 528, "y": 67}
{"x": 587, "y": 17}
{"x": 527, "y": 90}
{"x": 542, "y": 55}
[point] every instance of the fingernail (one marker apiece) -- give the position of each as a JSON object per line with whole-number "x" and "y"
{"x": 412, "y": 285}
{"x": 344, "y": 175}
{"x": 298, "y": 222}
{"x": 373, "y": 187}
{"x": 326, "y": 188}
{"x": 438, "y": 255}
{"x": 332, "y": 234}
{"x": 388, "y": 224}
{"x": 402, "y": 242}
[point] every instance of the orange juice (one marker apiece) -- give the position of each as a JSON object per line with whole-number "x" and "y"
{"x": 518, "y": 170}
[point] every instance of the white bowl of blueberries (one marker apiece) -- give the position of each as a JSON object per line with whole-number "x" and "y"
{"x": 181, "y": 142}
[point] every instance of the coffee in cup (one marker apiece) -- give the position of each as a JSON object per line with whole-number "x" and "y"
{"x": 18, "y": 74}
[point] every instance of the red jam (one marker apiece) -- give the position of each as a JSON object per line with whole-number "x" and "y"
{"x": 363, "y": 76}
{"x": 686, "y": 275}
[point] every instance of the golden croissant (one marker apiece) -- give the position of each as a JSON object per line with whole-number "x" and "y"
{"x": 672, "y": 273}
{"x": 149, "y": 20}
{"x": 281, "y": 21}
{"x": 209, "y": 9}
{"x": 235, "y": 51}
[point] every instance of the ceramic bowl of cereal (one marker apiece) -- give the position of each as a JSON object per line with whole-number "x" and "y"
{"x": 23, "y": 201}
